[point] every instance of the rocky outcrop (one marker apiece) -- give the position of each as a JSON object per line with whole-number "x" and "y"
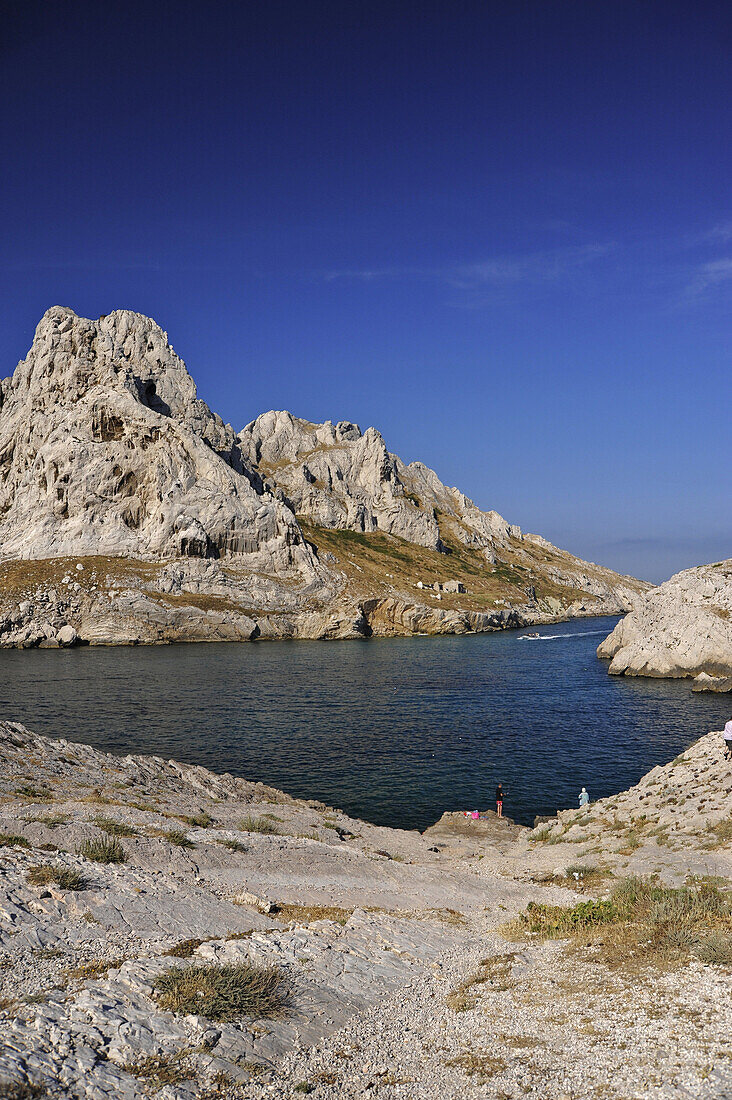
{"x": 130, "y": 512}
{"x": 681, "y": 629}
{"x": 106, "y": 449}
{"x": 338, "y": 476}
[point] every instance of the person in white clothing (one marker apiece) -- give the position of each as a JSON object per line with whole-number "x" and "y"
{"x": 728, "y": 740}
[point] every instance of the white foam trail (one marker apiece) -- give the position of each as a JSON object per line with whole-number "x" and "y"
{"x": 552, "y": 637}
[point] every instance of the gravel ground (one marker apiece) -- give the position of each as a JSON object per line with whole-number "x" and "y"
{"x": 392, "y": 991}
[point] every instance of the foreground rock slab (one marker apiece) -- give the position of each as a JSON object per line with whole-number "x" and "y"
{"x": 371, "y": 930}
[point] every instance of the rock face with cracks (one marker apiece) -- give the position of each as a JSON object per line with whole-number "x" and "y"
{"x": 394, "y": 973}
{"x": 129, "y": 512}
{"x": 681, "y": 629}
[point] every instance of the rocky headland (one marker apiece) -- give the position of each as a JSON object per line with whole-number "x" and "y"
{"x": 479, "y": 959}
{"x": 681, "y": 629}
{"x": 130, "y": 512}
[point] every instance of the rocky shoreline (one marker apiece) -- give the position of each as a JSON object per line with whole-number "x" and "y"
{"x": 398, "y": 977}
{"x": 95, "y": 602}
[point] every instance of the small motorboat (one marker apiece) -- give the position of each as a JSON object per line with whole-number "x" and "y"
{"x": 534, "y": 635}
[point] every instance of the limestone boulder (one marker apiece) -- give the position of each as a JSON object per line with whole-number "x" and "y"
{"x": 683, "y": 628}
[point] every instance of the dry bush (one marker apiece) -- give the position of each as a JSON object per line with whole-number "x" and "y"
{"x": 641, "y": 924}
{"x": 251, "y": 824}
{"x": 64, "y": 877}
{"x": 103, "y": 851}
{"x": 222, "y": 991}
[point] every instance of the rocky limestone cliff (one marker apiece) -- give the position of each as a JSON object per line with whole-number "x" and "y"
{"x": 106, "y": 449}
{"x": 683, "y": 628}
{"x": 130, "y": 512}
{"x": 338, "y": 476}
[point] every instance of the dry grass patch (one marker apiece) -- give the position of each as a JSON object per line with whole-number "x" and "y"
{"x": 200, "y": 820}
{"x": 719, "y": 834}
{"x": 183, "y": 950}
{"x": 174, "y": 836}
{"x": 222, "y": 991}
{"x": 640, "y": 924}
{"x": 160, "y": 1069}
{"x": 477, "y": 1064}
{"x": 63, "y": 877}
{"x": 96, "y": 968}
{"x": 51, "y": 821}
{"x": 34, "y": 794}
{"x": 113, "y": 828}
{"x": 103, "y": 851}
{"x": 584, "y": 876}
{"x": 12, "y": 840}
{"x": 494, "y": 971}
{"x": 232, "y": 845}
{"x": 251, "y": 824}
{"x": 22, "y": 1091}
{"x": 304, "y": 914}
{"x": 445, "y": 916}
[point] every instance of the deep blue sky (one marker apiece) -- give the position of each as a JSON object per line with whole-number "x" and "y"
{"x": 500, "y": 232}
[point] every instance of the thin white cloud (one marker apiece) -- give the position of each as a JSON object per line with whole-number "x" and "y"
{"x": 721, "y": 232}
{"x": 709, "y": 275}
{"x": 502, "y": 270}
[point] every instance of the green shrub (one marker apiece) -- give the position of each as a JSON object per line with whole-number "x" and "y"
{"x": 557, "y": 921}
{"x": 642, "y": 923}
{"x": 11, "y": 840}
{"x": 179, "y": 838}
{"x": 103, "y": 850}
{"x": 114, "y": 828}
{"x": 221, "y": 992}
{"x": 251, "y": 824}
{"x": 64, "y": 877}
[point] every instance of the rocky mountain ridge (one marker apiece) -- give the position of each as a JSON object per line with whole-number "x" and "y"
{"x": 681, "y": 629}
{"x": 130, "y": 512}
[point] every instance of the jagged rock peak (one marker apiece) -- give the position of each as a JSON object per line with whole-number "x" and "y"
{"x": 105, "y": 448}
{"x": 338, "y": 476}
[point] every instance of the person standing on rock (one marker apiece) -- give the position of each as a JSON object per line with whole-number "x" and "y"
{"x": 584, "y": 798}
{"x": 499, "y": 800}
{"x": 728, "y": 741}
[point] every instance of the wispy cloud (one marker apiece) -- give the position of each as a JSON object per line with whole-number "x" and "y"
{"x": 708, "y": 275}
{"x": 537, "y": 267}
{"x": 720, "y": 232}
{"x": 501, "y": 270}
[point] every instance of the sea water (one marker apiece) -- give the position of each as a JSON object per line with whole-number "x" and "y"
{"x": 392, "y": 730}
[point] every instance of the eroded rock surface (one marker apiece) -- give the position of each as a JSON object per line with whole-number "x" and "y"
{"x": 683, "y": 628}
{"x": 397, "y": 979}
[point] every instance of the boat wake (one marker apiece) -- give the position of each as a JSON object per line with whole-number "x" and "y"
{"x": 553, "y": 637}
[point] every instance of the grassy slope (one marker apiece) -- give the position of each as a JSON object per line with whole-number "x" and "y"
{"x": 383, "y": 565}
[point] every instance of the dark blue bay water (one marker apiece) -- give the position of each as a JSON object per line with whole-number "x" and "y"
{"x": 392, "y": 730}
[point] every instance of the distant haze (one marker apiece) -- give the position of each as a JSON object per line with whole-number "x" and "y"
{"x": 500, "y": 233}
